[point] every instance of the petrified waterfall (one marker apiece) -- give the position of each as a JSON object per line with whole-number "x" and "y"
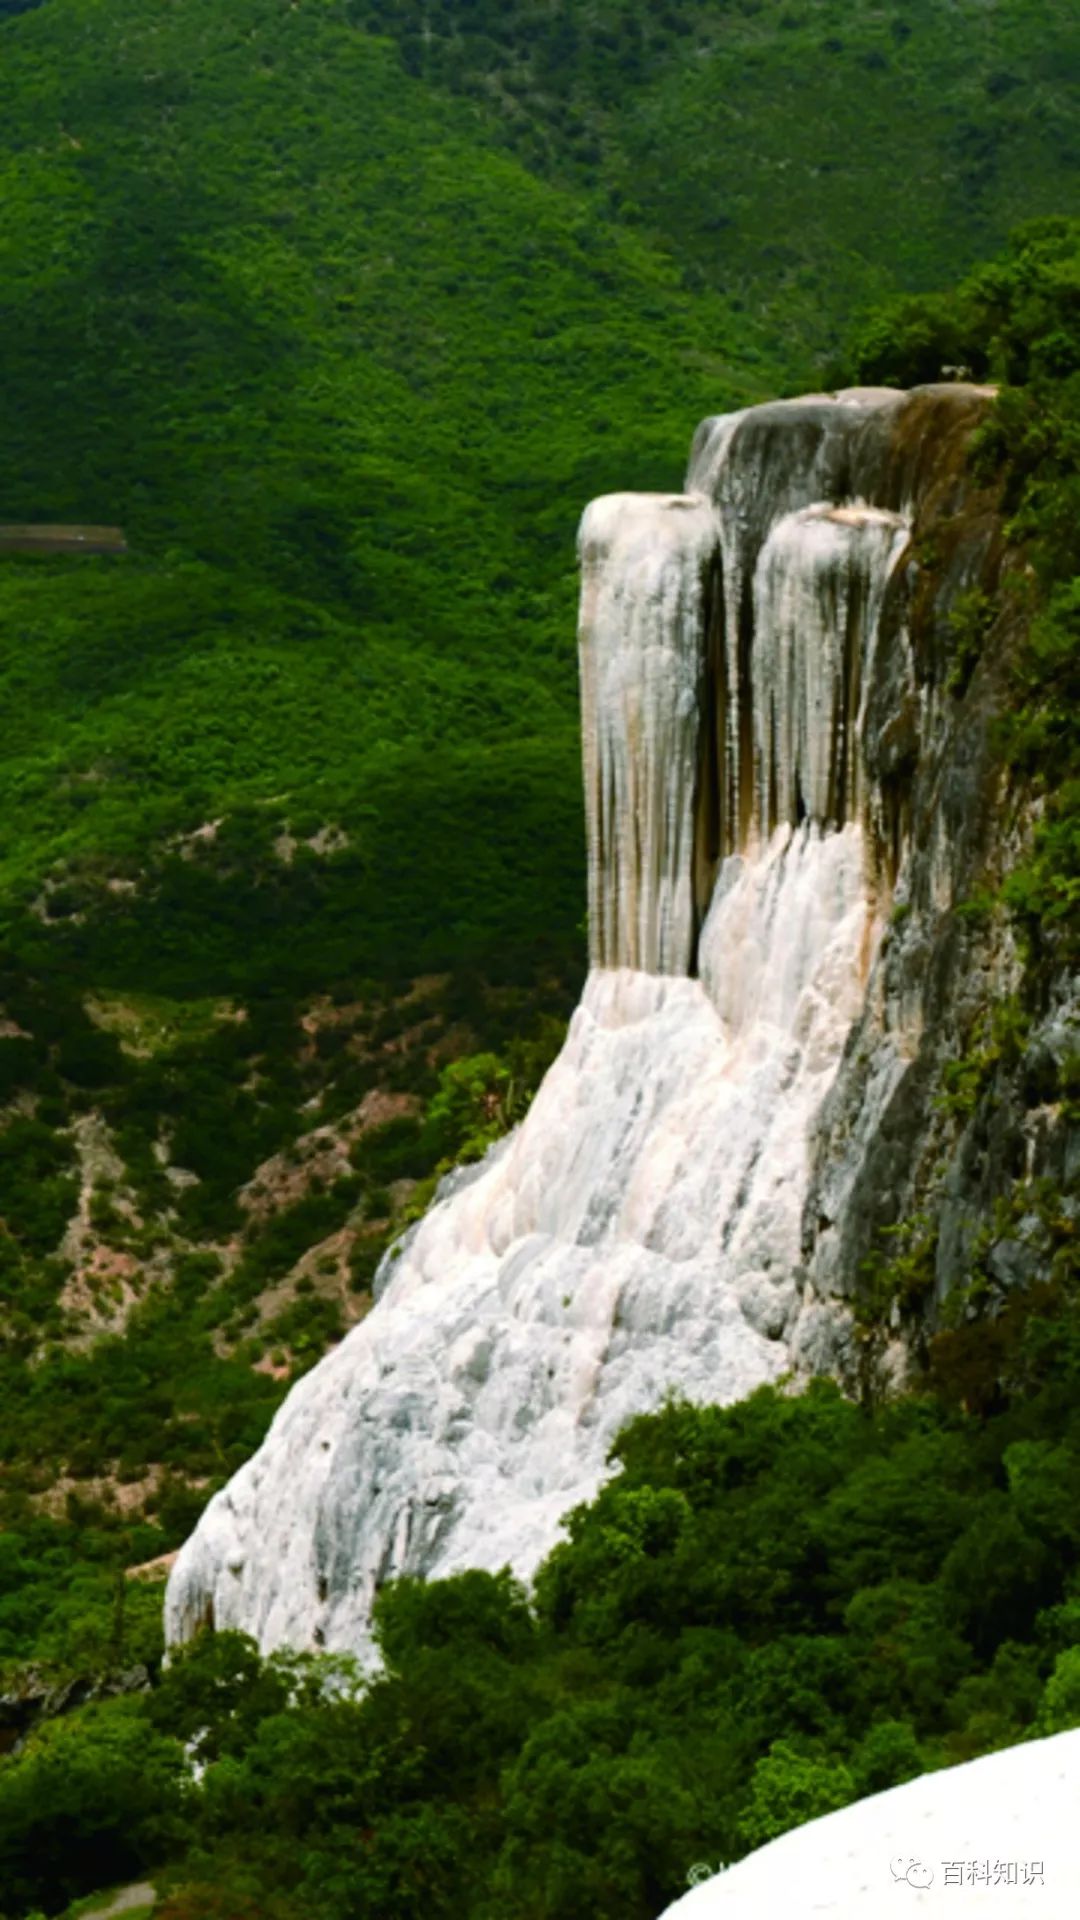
{"x": 646, "y": 564}
{"x": 642, "y": 1232}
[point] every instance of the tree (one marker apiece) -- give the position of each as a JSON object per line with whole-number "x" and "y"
{"x": 1060, "y": 1708}
{"x": 787, "y": 1788}
{"x": 92, "y": 1800}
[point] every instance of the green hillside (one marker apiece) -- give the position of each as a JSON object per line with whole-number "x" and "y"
{"x": 345, "y": 371}
{"x": 344, "y": 331}
{"x": 343, "y": 312}
{"x": 346, "y": 376}
{"x": 798, "y": 155}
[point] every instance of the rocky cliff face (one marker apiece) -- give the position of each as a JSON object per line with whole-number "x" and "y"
{"x": 790, "y": 789}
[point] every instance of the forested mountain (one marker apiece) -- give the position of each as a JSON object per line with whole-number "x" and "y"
{"x": 342, "y": 312}
{"x": 797, "y": 158}
{"x": 343, "y": 330}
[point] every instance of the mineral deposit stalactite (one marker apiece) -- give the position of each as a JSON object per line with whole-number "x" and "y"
{"x": 818, "y": 588}
{"x": 645, "y": 563}
{"x": 641, "y": 1233}
{"x": 726, "y": 644}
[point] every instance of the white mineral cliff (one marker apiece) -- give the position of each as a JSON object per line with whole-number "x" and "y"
{"x": 640, "y": 1234}
{"x": 998, "y": 1836}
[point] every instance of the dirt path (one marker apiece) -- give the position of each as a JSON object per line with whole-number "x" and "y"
{"x": 140, "y": 1895}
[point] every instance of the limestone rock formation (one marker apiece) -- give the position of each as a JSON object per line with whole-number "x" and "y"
{"x": 997, "y": 1836}
{"x": 768, "y": 731}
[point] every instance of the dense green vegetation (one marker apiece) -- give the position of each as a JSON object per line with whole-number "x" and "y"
{"x": 770, "y": 1610}
{"x": 343, "y": 311}
{"x": 346, "y": 375}
{"x": 147, "y": 1417}
{"x": 799, "y": 157}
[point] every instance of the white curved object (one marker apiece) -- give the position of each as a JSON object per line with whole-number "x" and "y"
{"x": 998, "y": 1837}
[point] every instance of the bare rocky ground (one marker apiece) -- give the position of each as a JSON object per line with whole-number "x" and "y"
{"x": 123, "y": 1244}
{"x": 140, "y": 1898}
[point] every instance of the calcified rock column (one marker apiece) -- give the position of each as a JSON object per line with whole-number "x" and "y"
{"x": 646, "y": 562}
{"x": 640, "y": 1234}
{"x": 818, "y": 587}
{"x": 758, "y": 468}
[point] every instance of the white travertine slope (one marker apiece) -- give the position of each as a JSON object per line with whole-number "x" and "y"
{"x": 636, "y": 1236}
{"x": 640, "y": 1234}
{"x": 997, "y": 1837}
